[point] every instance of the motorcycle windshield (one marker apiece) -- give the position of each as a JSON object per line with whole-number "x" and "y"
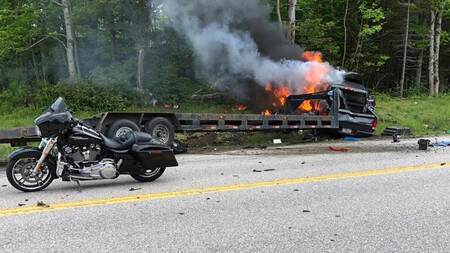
{"x": 58, "y": 111}
{"x": 58, "y": 106}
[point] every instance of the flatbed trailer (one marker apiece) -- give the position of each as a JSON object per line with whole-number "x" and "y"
{"x": 163, "y": 125}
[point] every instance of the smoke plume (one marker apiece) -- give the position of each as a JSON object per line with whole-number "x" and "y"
{"x": 238, "y": 47}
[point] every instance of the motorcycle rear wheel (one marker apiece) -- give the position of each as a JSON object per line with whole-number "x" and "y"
{"x": 149, "y": 175}
{"x": 19, "y": 173}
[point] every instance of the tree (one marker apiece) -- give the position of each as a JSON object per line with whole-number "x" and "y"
{"x": 70, "y": 36}
{"x": 405, "y": 50}
{"x": 291, "y": 12}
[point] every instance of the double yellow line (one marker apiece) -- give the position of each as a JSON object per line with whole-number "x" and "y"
{"x": 189, "y": 192}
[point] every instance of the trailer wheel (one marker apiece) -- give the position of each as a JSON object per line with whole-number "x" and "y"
{"x": 161, "y": 129}
{"x": 120, "y": 127}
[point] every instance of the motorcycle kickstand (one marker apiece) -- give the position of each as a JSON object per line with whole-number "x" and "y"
{"x": 79, "y": 185}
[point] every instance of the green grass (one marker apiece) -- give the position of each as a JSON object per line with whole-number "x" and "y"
{"x": 424, "y": 115}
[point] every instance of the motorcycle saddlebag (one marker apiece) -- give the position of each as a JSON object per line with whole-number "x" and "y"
{"x": 154, "y": 156}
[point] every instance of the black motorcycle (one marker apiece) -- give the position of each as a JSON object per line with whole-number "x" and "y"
{"x": 71, "y": 150}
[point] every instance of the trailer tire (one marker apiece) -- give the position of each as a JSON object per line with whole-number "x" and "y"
{"x": 162, "y": 130}
{"x": 120, "y": 127}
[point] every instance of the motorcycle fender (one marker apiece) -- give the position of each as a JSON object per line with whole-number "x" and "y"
{"x": 36, "y": 152}
{"x": 154, "y": 156}
{"x": 24, "y": 152}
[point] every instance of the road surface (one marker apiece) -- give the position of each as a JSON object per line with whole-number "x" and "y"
{"x": 245, "y": 202}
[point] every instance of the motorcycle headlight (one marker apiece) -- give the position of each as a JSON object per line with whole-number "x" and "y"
{"x": 38, "y": 131}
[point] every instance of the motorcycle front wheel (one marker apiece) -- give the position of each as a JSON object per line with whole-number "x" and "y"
{"x": 19, "y": 173}
{"x": 149, "y": 175}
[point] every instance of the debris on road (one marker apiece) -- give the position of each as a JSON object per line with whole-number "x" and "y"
{"x": 306, "y": 211}
{"x": 442, "y": 164}
{"x": 339, "y": 149}
{"x": 4, "y": 185}
{"x": 257, "y": 170}
{"x": 262, "y": 146}
{"x": 178, "y": 147}
{"x": 397, "y": 131}
{"x": 423, "y": 144}
{"x": 277, "y": 141}
{"x": 296, "y": 190}
{"x": 303, "y": 162}
{"x": 248, "y": 147}
{"x": 134, "y": 189}
{"x": 351, "y": 139}
{"x": 269, "y": 170}
{"x": 442, "y": 144}
{"x": 21, "y": 204}
{"x": 310, "y": 137}
{"x": 41, "y": 203}
{"x": 181, "y": 213}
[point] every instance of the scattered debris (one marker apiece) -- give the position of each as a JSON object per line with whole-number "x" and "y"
{"x": 41, "y": 203}
{"x": 310, "y": 137}
{"x": 248, "y": 147}
{"x": 339, "y": 149}
{"x": 332, "y": 240}
{"x": 351, "y": 139}
{"x": 262, "y": 146}
{"x": 134, "y": 189}
{"x": 397, "y": 131}
{"x": 181, "y": 213}
{"x": 289, "y": 227}
{"x": 178, "y": 147}
{"x": 235, "y": 176}
{"x": 303, "y": 162}
{"x": 306, "y": 211}
{"x": 442, "y": 164}
{"x": 260, "y": 162}
{"x": 208, "y": 198}
{"x": 21, "y": 204}
{"x": 257, "y": 170}
{"x": 442, "y": 144}
{"x": 423, "y": 144}
{"x": 296, "y": 190}
{"x": 4, "y": 185}
{"x": 337, "y": 216}
{"x": 277, "y": 141}
{"x": 395, "y": 138}
{"x": 269, "y": 169}
{"x": 26, "y": 200}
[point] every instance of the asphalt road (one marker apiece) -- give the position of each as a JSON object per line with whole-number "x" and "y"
{"x": 327, "y": 202}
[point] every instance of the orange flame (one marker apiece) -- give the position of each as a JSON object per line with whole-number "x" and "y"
{"x": 241, "y": 107}
{"x": 314, "y": 83}
{"x": 266, "y": 112}
{"x": 312, "y": 56}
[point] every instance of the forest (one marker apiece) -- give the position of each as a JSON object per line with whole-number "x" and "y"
{"x": 109, "y": 54}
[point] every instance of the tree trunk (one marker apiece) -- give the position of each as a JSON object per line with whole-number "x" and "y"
{"x": 70, "y": 37}
{"x": 140, "y": 74}
{"x": 436, "y": 51}
{"x": 419, "y": 70}
{"x": 279, "y": 15}
{"x": 291, "y": 13}
{"x": 431, "y": 61}
{"x": 345, "y": 34}
{"x": 405, "y": 51}
{"x": 144, "y": 43}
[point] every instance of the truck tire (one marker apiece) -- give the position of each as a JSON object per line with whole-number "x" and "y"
{"x": 162, "y": 130}
{"x": 120, "y": 127}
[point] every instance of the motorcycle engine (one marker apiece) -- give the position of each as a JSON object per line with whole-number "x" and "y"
{"x": 87, "y": 163}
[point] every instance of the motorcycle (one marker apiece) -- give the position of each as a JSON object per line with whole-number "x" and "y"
{"x": 72, "y": 151}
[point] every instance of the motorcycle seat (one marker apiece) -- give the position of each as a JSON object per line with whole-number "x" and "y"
{"x": 127, "y": 140}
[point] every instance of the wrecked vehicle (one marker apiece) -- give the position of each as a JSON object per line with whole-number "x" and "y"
{"x": 356, "y": 106}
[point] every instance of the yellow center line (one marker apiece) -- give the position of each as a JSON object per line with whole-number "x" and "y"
{"x": 225, "y": 188}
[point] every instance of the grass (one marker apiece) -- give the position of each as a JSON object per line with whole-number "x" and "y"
{"x": 424, "y": 115}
